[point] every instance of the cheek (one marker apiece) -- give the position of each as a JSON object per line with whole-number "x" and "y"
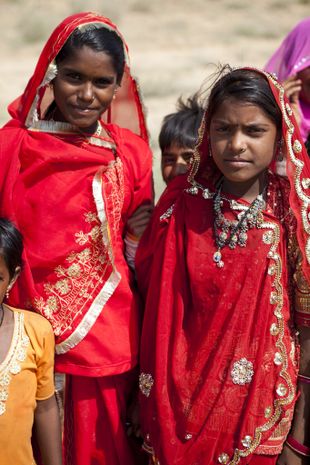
{"x": 166, "y": 171}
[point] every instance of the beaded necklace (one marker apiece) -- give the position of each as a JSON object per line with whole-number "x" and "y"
{"x": 234, "y": 232}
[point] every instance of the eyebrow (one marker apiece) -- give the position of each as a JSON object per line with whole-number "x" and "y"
{"x": 69, "y": 69}
{"x": 228, "y": 123}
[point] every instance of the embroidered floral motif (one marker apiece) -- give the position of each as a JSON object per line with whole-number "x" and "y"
{"x": 247, "y": 441}
{"x": 223, "y": 458}
{"x": 146, "y": 382}
{"x": 305, "y": 182}
{"x": 268, "y": 237}
{"x": 281, "y": 390}
{"x": 242, "y": 372}
{"x": 12, "y": 364}
{"x": 76, "y": 283}
{"x": 297, "y": 147}
{"x": 167, "y": 213}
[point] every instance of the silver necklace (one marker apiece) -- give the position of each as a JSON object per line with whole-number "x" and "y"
{"x": 234, "y": 232}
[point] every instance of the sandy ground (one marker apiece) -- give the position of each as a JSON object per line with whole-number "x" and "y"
{"x": 174, "y": 44}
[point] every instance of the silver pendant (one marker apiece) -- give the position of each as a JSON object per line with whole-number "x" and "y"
{"x": 217, "y": 258}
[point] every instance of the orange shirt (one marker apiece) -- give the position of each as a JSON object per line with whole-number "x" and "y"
{"x": 26, "y": 375}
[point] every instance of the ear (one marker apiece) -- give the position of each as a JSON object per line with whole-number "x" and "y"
{"x": 13, "y": 280}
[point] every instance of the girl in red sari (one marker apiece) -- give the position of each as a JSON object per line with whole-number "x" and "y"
{"x": 75, "y": 167}
{"x": 223, "y": 268}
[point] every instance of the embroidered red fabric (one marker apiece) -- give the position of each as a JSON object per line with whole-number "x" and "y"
{"x": 218, "y": 344}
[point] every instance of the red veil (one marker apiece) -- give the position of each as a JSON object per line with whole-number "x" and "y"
{"x": 218, "y": 359}
{"x": 71, "y": 198}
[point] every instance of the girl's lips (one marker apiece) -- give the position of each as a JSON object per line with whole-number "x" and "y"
{"x": 237, "y": 162}
{"x": 83, "y": 110}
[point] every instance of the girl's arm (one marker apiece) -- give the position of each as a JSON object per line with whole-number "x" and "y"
{"x": 48, "y": 431}
{"x": 300, "y": 431}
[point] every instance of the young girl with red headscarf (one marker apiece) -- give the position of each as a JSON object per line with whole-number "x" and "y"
{"x": 224, "y": 267}
{"x": 75, "y": 169}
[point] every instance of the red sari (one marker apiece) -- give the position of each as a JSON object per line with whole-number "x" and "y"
{"x": 71, "y": 197}
{"x": 218, "y": 356}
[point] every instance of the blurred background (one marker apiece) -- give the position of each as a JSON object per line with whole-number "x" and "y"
{"x": 174, "y": 45}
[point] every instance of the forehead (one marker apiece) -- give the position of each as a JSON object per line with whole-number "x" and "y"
{"x": 237, "y": 111}
{"x": 85, "y": 58}
{"x": 175, "y": 147}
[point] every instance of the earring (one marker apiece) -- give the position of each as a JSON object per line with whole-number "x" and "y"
{"x": 210, "y": 153}
{"x": 7, "y": 294}
{"x": 280, "y": 149}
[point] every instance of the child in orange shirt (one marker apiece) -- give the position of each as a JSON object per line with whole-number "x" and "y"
{"x": 26, "y": 369}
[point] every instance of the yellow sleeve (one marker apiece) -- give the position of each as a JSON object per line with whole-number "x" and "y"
{"x": 45, "y": 366}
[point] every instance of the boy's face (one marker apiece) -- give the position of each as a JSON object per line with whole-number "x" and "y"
{"x": 174, "y": 161}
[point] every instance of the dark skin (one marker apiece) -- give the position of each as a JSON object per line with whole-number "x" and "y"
{"x": 48, "y": 431}
{"x": 46, "y": 415}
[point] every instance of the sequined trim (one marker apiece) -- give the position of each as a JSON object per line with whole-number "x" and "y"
{"x": 301, "y": 183}
{"x": 67, "y": 129}
{"x": 12, "y": 364}
{"x": 167, "y": 213}
{"x": 146, "y": 382}
{"x": 285, "y": 391}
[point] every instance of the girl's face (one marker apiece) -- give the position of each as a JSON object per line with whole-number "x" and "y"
{"x": 84, "y": 87}
{"x": 4, "y": 278}
{"x": 304, "y": 75}
{"x": 243, "y": 141}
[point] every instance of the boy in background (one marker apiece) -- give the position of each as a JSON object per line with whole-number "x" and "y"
{"x": 178, "y": 136}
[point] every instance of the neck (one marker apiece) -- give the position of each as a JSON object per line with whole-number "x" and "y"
{"x": 247, "y": 190}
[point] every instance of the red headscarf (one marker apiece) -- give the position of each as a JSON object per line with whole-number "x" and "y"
{"x": 71, "y": 197}
{"x": 218, "y": 368}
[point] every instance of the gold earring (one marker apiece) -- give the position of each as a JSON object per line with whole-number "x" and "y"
{"x": 7, "y": 294}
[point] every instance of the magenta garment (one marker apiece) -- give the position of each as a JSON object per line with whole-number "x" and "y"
{"x": 293, "y": 56}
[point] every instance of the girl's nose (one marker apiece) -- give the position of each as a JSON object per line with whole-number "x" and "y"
{"x": 237, "y": 143}
{"x": 86, "y": 92}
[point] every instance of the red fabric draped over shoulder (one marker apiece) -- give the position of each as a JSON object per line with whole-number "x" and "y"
{"x": 218, "y": 359}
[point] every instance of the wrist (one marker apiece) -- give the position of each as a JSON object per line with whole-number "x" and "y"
{"x": 297, "y": 447}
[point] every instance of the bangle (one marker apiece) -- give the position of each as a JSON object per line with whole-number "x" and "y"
{"x": 297, "y": 447}
{"x": 303, "y": 379}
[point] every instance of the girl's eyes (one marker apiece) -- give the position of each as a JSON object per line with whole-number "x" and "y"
{"x": 74, "y": 76}
{"x": 77, "y": 78}
{"x": 252, "y": 130}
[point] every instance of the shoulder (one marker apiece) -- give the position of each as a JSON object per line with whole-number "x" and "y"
{"x": 130, "y": 146}
{"x": 35, "y": 324}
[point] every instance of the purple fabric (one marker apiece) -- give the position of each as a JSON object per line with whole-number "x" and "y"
{"x": 293, "y": 56}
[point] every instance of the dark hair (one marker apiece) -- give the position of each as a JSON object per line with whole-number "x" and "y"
{"x": 245, "y": 85}
{"x": 11, "y": 245}
{"x": 99, "y": 39}
{"x": 182, "y": 126}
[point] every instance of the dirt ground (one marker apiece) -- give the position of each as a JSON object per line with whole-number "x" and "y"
{"x": 174, "y": 44}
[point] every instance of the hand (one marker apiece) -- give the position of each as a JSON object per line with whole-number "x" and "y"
{"x": 292, "y": 87}
{"x": 133, "y": 415}
{"x": 289, "y": 457}
{"x": 138, "y": 221}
